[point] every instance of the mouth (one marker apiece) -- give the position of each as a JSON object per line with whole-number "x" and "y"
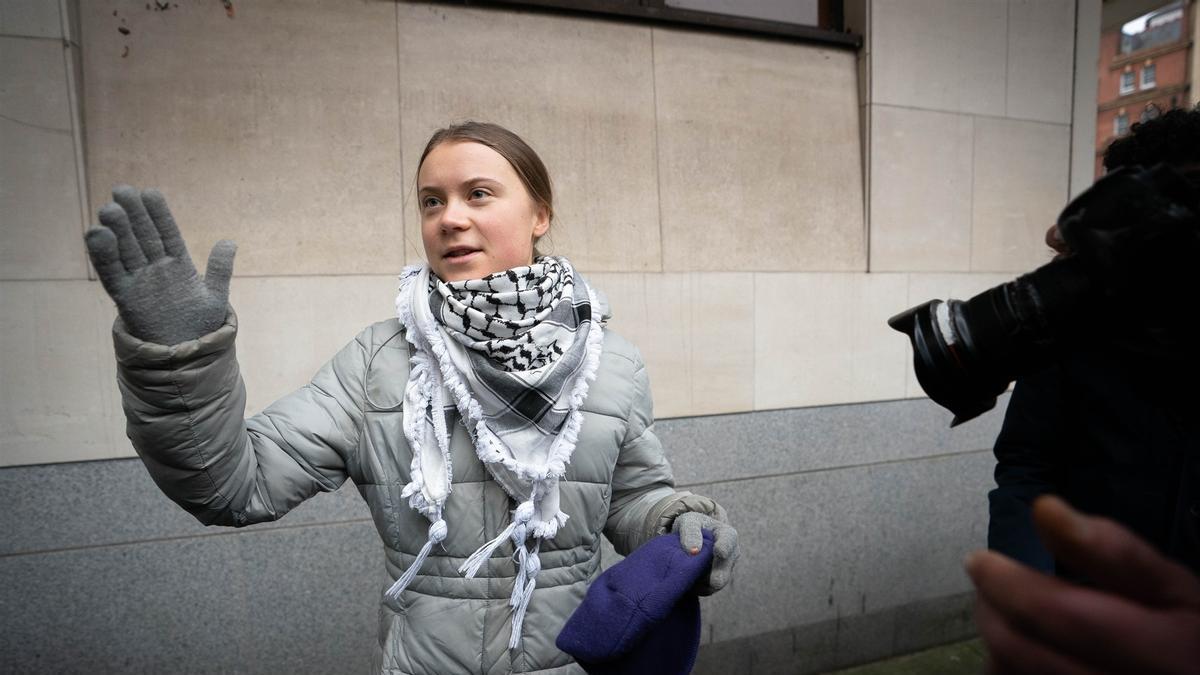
{"x": 459, "y": 254}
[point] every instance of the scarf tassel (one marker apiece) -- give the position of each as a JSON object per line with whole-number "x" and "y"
{"x": 437, "y": 534}
{"x": 522, "y": 515}
{"x": 523, "y": 587}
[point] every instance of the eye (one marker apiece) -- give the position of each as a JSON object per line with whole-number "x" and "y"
{"x": 429, "y": 202}
{"x": 480, "y": 193}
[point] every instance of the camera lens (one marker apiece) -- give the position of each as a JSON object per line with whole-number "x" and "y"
{"x": 965, "y": 353}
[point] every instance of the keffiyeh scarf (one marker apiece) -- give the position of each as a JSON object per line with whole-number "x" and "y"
{"x": 514, "y": 354}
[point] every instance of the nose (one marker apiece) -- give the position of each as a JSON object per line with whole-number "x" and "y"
{"x": 455, "y": 216}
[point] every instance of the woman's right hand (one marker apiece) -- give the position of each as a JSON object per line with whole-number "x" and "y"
{"x": 144, "y": 266}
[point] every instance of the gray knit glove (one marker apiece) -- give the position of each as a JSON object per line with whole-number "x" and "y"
{"x": 725, "y": 546}
{"x": 145, "y": 267}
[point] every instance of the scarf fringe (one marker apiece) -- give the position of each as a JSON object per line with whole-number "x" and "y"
{"x": 437, "y": 534}
{"x": 527, "y": 570}
{"x": 427, "y": 378}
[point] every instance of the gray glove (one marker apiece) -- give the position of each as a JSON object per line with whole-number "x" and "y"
{"x": 725, "y": 546}
{"x": 145, "y": 267}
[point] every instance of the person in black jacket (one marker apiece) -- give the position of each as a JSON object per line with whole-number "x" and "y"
{"x": 1113, "y": 433}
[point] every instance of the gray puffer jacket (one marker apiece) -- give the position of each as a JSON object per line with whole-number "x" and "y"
{"x": 185, "y": 405}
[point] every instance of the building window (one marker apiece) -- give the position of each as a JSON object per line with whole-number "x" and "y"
{"x": 1148, "y": 76}
{"x": 1151, "y": 111}
{"x": 1120, "y": 124}
{"x": 1162, "y": 26}
{"x": 1127, "y": 82}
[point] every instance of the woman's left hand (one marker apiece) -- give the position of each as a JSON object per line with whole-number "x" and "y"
{"x": 725, "y": 546}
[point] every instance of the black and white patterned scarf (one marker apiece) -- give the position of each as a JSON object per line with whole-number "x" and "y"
{"x": 513, "y": 354}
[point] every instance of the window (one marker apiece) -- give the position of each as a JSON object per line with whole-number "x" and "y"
{"x": 1162, "y": 26}
{"x": 820, "y": 21}
{"x": 1148, "y": 76}
{"x": 1120, "y": 124}
{"x": 1127, "y": 82}
{"x": 1151, "y": 111}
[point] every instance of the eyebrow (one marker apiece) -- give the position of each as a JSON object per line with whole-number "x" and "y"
{"x": 469, "y": 181}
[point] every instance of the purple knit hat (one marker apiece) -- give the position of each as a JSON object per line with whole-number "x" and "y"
{"x": 641, "y": 615}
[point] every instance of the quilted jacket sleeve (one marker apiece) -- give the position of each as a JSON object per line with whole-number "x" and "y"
{"x": 642, "y": 477}
{"x": 185, "y": 404}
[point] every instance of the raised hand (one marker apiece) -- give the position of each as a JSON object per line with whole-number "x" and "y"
{"x": 144, "y": 266}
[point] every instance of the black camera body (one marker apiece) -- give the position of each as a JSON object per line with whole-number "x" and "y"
{"x": 1134, "y": 240}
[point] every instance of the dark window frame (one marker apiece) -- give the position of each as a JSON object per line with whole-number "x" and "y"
{"x": 657, "y": 12}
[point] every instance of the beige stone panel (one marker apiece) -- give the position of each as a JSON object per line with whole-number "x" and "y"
{"x": 578, "y": 90}
{"x": 59, "y": 402}
{"x": 40, "y": 229}
{"x": 1021, "y": 182}
{"x": 33, "y": 83}
{"x": 759, "y": 154}
{"x": 944, "y": 55}
{"x": 1041, "y": 60}
{"x": 920, "y": 190}
{"x": 30, "y": 18}
{"x": 1083, "y": 117}
{"x": 288, "y": 327}
{"x": 821, "y": 339}
{"x": 696, "y": 334}
{"x": 40, "y": 233}
{"x": 277, "y": 128}
{"x": 722, "y": 344}
{"x": 925, "y": 287}
{"x": 652, "y": 312}
{"x": 1195, "y": 97}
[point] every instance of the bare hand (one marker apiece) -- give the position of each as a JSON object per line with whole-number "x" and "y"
{"x": 1055, "y": 241}
{"x": 1142, "y": 616}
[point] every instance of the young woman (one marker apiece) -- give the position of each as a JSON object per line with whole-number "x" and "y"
{"x": 495, "y": 427}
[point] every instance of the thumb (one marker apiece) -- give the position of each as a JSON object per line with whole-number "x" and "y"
{"x": 220, "y": 268}
{"x": 691, "y": 538}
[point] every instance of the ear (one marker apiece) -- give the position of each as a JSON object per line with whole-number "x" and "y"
{"x": 541, "y": 222}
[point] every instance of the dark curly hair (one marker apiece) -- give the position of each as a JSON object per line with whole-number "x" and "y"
{"x": 1173, "y": 137}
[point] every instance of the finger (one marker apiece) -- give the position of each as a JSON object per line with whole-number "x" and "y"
{"x": 114, "y": 218}
{"x": 164, "y": 222}
{"x": 1054, "y": 239}
{"x": 106, "y": 258}
{"x": 717, "y": 579}
{"x": 1011, "y": 652}
{"x": 721, "y": 573}
{"x": 1112, "y": 557}
{"x": 1093, "y": 627}
{"x": 691, "y": 536}
{"x": 725, "y": 542}
{"x": 143, "y": 228}
{"x": 220, "y": 268}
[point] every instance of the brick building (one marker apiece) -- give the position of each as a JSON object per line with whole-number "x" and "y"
{"x": 1144, "y": 70}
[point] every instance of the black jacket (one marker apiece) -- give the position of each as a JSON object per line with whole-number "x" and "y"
{"x": 1112, "y": 434}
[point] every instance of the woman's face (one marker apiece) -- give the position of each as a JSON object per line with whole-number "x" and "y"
{"x": 477, "y": 218}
